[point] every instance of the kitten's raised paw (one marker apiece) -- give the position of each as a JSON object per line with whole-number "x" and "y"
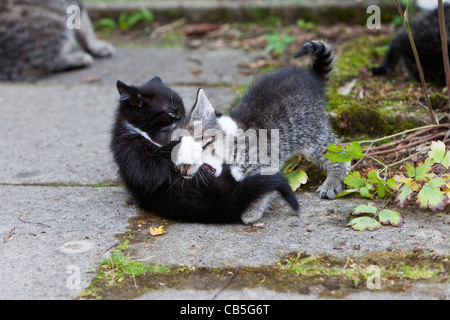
{"x": 329, "y": 189}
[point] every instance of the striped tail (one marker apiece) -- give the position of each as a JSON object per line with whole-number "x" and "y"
{"x": 323, "y": 57}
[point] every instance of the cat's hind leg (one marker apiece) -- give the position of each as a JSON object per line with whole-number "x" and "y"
{"x": 256, "y": 209}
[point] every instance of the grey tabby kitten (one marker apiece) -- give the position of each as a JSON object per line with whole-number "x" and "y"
{"x": 290, "y": 100}
{"x": 35, "y": 39}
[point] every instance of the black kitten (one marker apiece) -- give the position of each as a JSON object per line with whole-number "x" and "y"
{"x": 145, "y": 119}
{"x": 426, "y": 34}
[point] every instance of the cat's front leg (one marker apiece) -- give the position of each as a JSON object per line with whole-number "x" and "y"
{"x": 336, "y": 172}
{"x": 88, "y": 40}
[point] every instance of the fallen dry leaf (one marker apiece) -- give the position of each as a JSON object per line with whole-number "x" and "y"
{"x": 157, "y": 231}
{"x": 201, "y": 29}
{"x": 92, "y": 79}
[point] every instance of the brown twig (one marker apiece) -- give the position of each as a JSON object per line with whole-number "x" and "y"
{"x": 226, "y": 284}
{"x": 10, "y": 233}
{"x": 408, "y": 146}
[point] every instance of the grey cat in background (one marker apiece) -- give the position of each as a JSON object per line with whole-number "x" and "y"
{"x": 35, "y": 39}
{"x": 290, "y": 100}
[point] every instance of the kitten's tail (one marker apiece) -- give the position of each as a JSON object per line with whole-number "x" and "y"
{"x": 254, "y": 187}
{"x": 323, "y": 59}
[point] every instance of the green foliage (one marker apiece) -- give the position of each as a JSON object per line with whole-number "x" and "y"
{"x": 367, "y": 187}
{"x": 372, "y": 219}
{"x": 305, "y": 25}
{"x": 119, "y": 266}
{"x": 127, "y": 20}
{"x": 277, "y": 43}
{"x": 339, "y": 154}
{"x": 357, "y": 53}
{"x": 428, "y": 182}
{"x": 106, "y": 23}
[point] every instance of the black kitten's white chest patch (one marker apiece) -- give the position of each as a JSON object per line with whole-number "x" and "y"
{"x": 133, "y": 130}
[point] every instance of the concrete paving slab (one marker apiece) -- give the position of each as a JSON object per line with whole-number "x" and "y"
{"x": 174, "y": 66}
{"x": 319, "y": 229}
{"x": 51, "y": 236}
{"x": 60, "y": 133}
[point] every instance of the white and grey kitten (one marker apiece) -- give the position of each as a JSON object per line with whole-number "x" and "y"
{"x": 289, "y": 102}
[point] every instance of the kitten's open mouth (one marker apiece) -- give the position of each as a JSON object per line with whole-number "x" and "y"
{"x": 208, "y": 168}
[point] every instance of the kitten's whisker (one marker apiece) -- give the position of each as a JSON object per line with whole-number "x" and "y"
{"x": 172, "y": 184}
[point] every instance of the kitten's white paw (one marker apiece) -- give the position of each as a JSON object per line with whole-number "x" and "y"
{"x": 189, "y": 152}
{"x": 228, "y": 125}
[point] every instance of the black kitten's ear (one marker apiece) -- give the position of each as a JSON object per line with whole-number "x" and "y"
{"x": 157, "y": 79}
{"x": 154, "y": 81}
{"x": 129, "y": 94}
{"x": 203, "y": 110}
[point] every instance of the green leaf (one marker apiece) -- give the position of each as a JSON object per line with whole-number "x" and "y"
{"x": 364, "y": 223}
{"x": 446, "y": 161}
{"x": 437, "y": 151}
{"x": 107, "y": 23}
{"x": 334, "y": 148}
{"x": 405, "y": 194}
{"x": 354, "y": 180}
{"x": 381, "y": 190}
{"x": 337, "y": 154}
{"x": 354, "y": 150}
{"x": 363, "y": 208}
{"x": 423, "y": 172}
{"x": 148, "y": 15}
{"x": 277, "y": 42}
{"x": 134, "y": 18}
{"x": 364, "y": 191}
{"x": 409, "y": 170}
{"x": 123, "y": 21}
{"x": 296, "y": 179}
{"x": 291, "y": 164}
{"x": 346, "y": 192}
{"x": 391, "y": 182}
{"x": 431, "y": 195}
{"x": 390, "y": 217}
{"x": 372, "y": 176}
{"x": 338, "y": 157}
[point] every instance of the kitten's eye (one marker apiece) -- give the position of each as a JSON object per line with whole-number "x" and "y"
{"x": 173, "y": 115}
